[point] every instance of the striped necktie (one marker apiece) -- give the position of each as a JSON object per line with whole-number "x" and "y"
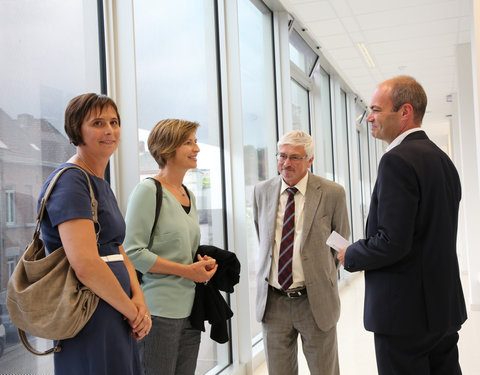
{"x": 285, "y": 277}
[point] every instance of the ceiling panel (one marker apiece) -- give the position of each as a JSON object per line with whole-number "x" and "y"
{"x": 358, "y": 73}
{"x": 414, "y": 44}
{"x": 342, "y": 8}
{"x": 336, "y": 41}
{"x": 350, "y": 24}
{"x": 435, "y": 28}
{"x": 411, "y": 37}
{"x": 317, "y": 11}
{"x": 325, "y": 28}
{"x": 350, "y": 64}
{"x": 345, "y": 53}
{"x": 302, "y": 1}
{"x": 371, "y": 6}
{"x": 404, "y": 17}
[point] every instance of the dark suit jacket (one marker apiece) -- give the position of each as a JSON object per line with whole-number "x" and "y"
{"x": 209, "y": 303}
{"x": 412, "y": 281}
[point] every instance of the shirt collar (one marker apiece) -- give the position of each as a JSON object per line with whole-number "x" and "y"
{"x": 301, "y": 185}
{"x": 401, "y": 137}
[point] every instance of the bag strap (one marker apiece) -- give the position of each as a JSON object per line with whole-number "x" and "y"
{"x": 48, "y": 191}
{"x": 24, "y": 339}
{"x": 158, "y": 204}
{"x": 94, "y": 204}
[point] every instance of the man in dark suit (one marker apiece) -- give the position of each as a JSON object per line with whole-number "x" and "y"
{"x": 297, "y": 293}
{"x": 413, "y": 296}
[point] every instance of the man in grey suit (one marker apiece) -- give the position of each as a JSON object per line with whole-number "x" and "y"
{"x": 297, "y": 275}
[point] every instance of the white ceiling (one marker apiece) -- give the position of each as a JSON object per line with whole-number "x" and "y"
{"x": 411, "y": 37}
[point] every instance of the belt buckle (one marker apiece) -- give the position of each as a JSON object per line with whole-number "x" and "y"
{"x": 293, "y": 294}
{"x": 296, "y": 293}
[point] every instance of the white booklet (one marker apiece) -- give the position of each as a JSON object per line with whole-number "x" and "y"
{"x": 337, "y": 242}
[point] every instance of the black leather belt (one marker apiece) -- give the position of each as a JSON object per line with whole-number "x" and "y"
{"x": 291, "y": 293}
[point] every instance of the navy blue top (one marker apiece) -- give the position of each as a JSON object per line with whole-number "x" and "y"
{"x": 70, "y": 199}
{"x": 105, "y": 346}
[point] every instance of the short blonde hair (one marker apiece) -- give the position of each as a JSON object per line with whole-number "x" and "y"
{"x": 298, "y": 138}
{"x": 168, "y": 135}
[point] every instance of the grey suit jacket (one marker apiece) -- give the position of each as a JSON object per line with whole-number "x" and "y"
{"x": 325, "y": 210}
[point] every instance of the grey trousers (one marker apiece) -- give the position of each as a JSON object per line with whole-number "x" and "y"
{"x": 171, "y": 347}
{"x": 285, "y": 318}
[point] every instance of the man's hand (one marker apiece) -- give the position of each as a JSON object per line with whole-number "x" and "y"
{"x": 341, "y": 255}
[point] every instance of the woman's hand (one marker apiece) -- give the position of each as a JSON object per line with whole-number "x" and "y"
{"x": 203, "y": 270}
{"x": 142, "y": 323}
{"x": 206, "y": 257}
{"x": 143, "y": 328}
{"x": 200, "y": 271}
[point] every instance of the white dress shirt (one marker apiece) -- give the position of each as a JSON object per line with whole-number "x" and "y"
{"x": 401, "y": 137}
{"x": 297, "y": 269}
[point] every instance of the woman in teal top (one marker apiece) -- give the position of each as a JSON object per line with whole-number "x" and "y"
{"x": 166, "y": 257}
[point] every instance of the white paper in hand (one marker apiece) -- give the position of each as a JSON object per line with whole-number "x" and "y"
{"x": 337, "y": 242}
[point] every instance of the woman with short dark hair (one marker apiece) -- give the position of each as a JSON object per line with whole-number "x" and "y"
{"x": 106, "y": 345}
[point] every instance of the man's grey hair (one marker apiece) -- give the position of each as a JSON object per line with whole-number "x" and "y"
{"x": 298, "y": 138}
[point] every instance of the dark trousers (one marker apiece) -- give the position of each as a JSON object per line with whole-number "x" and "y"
{"x": 425, "y": 354}
{"x": 171, "y": 347}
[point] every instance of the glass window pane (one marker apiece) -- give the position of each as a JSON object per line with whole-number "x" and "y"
{"x": 322, "y": 130}
{"x": 373, "y": 156}
{"x": 301, "y": 54}
{"x": 300, "y": 107}
{"x": 176, "y": 62}
{"x": 342, "y": 172}
{"x": 43, "y": 69}
{"x": 361, "y": 176}
{"x": 259, "y": 119}
{"x": 363, "y": 160}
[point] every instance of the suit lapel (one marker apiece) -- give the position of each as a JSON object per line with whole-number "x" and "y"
{"x": 274, "y": 193}
{"x": 312, "y": 200}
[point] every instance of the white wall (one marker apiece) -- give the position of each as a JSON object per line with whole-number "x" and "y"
{"x": 467, "y": 163}
{"x": 474, "y": 255}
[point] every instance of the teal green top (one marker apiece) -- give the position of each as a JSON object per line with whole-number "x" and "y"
{"x": 176, "y": 238}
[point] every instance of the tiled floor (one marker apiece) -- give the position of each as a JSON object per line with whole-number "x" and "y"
{"x": 356, "y": 348}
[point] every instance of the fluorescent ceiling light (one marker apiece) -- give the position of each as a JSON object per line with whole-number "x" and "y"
{"x": 366, "y": 55}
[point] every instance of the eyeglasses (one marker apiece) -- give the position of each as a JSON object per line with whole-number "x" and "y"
{"x": 293, "y": 158}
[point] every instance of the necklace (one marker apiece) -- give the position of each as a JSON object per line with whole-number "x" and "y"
{"x": 181, "y": 190}
{"x": 86, "y": 165}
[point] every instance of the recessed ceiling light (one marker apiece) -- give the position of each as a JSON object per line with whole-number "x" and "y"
{"x": 366, "y": 55}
